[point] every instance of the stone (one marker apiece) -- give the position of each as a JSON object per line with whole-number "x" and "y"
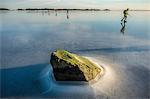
{"x": 71, "y": 67}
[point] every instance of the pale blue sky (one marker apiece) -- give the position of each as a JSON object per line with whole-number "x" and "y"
{"x": 112, "y": 4}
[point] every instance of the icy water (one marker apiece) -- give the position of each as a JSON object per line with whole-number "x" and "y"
{"x": 28, "y": 38}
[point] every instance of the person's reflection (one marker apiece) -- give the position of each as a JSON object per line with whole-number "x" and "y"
{"x": 42, "y": 13}
{"x": 124, "y": 21}
{"x": 55, "y": 12}
{"x": 49, "y": 13}
{"x": 67, "y": 14}
{"x": 123, "y": 24}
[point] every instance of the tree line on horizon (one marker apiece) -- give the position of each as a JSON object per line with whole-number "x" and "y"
{"x": 61, "y": 9}
{"x": 20, "y": 9}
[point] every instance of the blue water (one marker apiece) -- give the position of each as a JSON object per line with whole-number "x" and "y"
{"x": 28, "y": 38}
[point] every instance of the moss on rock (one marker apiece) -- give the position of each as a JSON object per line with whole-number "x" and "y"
{"x": 71, "y": 67}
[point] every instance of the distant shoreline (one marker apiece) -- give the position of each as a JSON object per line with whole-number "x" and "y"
{"x": 53, "y": 9}
{"x": 26, "y": 9}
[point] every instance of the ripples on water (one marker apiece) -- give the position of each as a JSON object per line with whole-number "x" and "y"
{"x": 28, "y": 38}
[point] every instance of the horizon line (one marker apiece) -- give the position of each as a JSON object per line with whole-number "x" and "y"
{"x": 43, "y": 8}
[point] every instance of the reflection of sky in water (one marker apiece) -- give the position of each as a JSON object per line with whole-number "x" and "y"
{"x": 28, "y": 38}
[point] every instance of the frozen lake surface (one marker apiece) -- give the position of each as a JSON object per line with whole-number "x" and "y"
{"x": 28, "y": 38}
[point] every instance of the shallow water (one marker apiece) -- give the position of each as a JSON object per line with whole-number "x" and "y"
{"x": 28, "y": 38}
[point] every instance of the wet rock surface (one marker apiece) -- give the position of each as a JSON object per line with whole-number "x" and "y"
{"x": 71, "y": 67}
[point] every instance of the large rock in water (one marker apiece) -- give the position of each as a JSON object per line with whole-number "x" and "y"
{"x": 71, "y": 67}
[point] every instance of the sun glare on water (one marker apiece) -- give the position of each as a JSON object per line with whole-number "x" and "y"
{"x": 106, "y": 83}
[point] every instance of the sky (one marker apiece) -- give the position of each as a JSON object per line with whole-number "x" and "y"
{"x": 101, "y": 4}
